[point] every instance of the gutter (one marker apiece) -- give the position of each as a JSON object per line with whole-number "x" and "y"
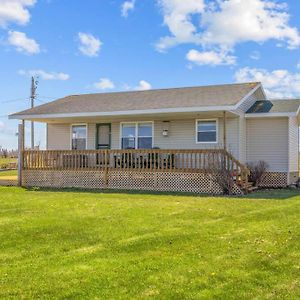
{"x": 123, "y": 113}
{"x": 270, "y": 115}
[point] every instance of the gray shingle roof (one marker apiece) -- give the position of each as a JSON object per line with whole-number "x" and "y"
{"x": 204, "y": 96}
{"x": 275, "y": 106}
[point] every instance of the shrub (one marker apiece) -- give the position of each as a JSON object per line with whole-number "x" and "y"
{"x": 222, "y": 175}
{"x": 257, "y": 172}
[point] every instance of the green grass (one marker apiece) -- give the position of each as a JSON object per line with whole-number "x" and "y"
{"x": 5, "y": 161}
{"x": 85, "y": 245}
{"x": 8, "y": 173}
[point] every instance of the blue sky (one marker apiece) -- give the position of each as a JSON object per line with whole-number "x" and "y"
{"x": 111, "y": 45}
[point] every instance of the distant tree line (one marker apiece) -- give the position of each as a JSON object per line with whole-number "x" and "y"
{"x": 4, "y": 153}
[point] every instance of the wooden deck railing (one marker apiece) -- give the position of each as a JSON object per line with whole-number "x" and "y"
{"x": 139, "y": 160}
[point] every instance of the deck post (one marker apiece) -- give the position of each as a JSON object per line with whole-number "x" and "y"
{"x": 106, "y": 168}
{"x": 21, "y": 144}
{"x": 224, "y": 130}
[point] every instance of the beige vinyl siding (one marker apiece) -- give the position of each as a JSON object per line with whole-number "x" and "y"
{"x": 242, "y": 135}
{"x": 247, "y": 104}
{"x": 182, "y": 135}
{"x": 242, "y": 138}
{"x": 258, "y": 95}
{"x": 267, "y": 140}
{"x": 293, "y": 144}
{"x": 115, "y": 135}
{"x": 91, "y": 136}
{"x": 58, "y": 137}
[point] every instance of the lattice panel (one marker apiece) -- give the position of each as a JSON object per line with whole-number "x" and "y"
{"x": 164, "y": 181}
{"x": 187, "y": 182}
{"x": 275, "y": 180}
{"x": 130, "y": 180}
{"x": 64, "y": 179}
{"x": 8, "y": 182}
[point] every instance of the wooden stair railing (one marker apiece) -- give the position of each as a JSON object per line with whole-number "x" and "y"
{"x": 241, "y": 172}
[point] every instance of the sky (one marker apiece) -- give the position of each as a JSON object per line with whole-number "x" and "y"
{"x": 94, "y": 46}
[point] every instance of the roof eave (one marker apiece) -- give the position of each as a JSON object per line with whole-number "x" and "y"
{"x": 271, "y": 115}
{"x": 259, "y": 85}
{"x": 122, "y": 113}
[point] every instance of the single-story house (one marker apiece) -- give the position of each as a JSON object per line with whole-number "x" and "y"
{"x": 181, "y": 129}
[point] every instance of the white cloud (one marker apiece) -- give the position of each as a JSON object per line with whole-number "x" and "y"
{"x": 22, "y": 43}
{"x": 15, "y": 11}
{"x": 255, "y": 55}
{"x": 277, "y": 83}
{"x": 222, "y": 24}
{"x": 212, "y": 58}
{"x": 143, "y": 86}
{"x": 177, "y": 17}
{"x": 298, "y": 65}
{"x": 236, "y": 21}
{"x": 126, "y": 7}
{"x": 45, "y": 75}
{"x": 104, "y": 84}
{"x": 89, "y": 45}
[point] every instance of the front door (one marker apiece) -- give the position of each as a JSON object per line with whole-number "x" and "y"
{"x": 103, "y": 137}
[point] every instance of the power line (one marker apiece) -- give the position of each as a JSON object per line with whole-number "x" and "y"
{"x": 39, "y": 100}
{"x": 13, "y": 100}
{"x": 47, "y": 97}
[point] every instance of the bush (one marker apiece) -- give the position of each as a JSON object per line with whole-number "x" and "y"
{"x": 224, "y": 178}
{"x": 222, "y": 175}
{"x": 258, "y": 172}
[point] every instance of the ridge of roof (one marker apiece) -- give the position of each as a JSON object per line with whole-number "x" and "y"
{"x": 254, "y": 83}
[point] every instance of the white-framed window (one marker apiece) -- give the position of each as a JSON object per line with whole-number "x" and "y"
{"x": 137, "y": 135}
{"x": 207, "y": 131}
{"x": 79, "y": 136}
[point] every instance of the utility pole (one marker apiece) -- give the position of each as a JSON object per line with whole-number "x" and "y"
{"x": 32, "y": 98}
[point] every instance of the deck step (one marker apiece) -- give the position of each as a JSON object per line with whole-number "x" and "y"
{"x": 252, "y": 189}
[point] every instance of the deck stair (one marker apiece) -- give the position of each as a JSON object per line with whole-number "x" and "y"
{"x": 251, "y": 187}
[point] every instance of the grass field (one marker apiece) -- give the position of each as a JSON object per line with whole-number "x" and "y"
{"x": 9, "y": 173}
{"x": 85, "y": 245}
{"x": 5, "y": 161}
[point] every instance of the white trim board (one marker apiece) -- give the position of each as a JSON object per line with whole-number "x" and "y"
{"x": 270, "y": 115}
{"x": 217, "y": 131}
{"x": 124, "y": 113}
{"x": 136, "y": 131}
{"x": 71, "y": 134}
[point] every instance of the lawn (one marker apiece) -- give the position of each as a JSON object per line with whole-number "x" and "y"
{"x": 9, "y": 173}
{"x": 85, "y": 245}
{"x": 5, "y": 161}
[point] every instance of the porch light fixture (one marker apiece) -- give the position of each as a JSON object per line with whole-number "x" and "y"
{"x": 166, "y": 128}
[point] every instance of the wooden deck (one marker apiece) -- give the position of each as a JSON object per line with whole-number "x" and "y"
{"x": 141, "y": 161}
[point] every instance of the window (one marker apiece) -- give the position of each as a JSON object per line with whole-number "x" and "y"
{"x": 79, "y": 133}
{"x": 136, "y": 136}
{"x": 207, "y": 131}
{"x": 128, "y": 136}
